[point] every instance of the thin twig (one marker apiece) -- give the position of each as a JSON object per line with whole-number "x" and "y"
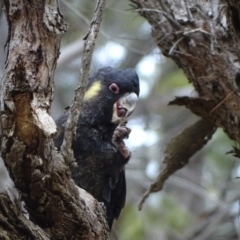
{"x": 77, "y": 103}
{"x": 186, "y": 34}
{"x": 196, "y": 30}
{"x": 104, "y": 33}
{"x": 174, "y": 45}
{"x": 219, "y": 104}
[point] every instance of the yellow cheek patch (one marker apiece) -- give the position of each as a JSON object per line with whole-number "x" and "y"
{"x": 93, "y": 91}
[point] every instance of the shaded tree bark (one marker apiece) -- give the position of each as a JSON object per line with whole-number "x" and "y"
{"x": 202, "y": 38}
{"x": 195, "y": 35}
{"x": 56, "y": 207}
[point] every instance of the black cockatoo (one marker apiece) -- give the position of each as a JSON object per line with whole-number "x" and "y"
{"x": 99, "y": 150}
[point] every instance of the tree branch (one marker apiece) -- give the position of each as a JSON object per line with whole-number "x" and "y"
{"x": 90, "y": 38}
{"x": 179, "y": 150}
{"x": 194, "y": 35}
{"x": 53, "y": 201}
{"x": 208, "y": 60}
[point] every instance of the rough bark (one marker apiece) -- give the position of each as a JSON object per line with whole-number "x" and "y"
{"x": 57, "y": 208}
{"x": 202, "y": 38}
{"x": 195, "y": 35}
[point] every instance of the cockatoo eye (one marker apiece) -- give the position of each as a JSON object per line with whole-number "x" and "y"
{"x": 114, "y": 88}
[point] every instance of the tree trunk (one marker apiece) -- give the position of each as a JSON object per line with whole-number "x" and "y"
{"x": 57, "y": 208}
{"x": 193, "y": 33}
{"x": 202, "y": 37}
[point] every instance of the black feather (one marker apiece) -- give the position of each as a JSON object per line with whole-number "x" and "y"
{"x": 100, "y": 168}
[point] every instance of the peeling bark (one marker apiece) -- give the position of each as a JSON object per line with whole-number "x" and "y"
{"x": 57, "y": 208}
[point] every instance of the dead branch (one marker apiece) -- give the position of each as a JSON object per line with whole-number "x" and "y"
{"x": 77, "y": 103}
